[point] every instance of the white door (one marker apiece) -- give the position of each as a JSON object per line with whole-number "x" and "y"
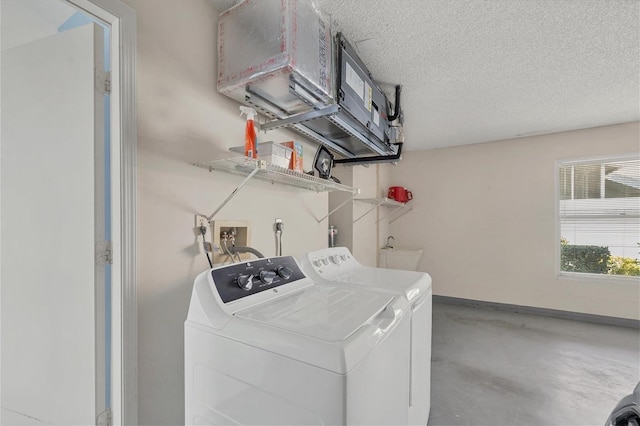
{"x": 52, "y": 218}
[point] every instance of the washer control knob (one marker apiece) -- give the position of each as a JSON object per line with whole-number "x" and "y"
{"x": 317, "y": 263}
{"x": 285, "y": 272}
{"x": 245, "y": 282}
{"x": 267, "y": 276}
{"x": 335, "y": 259}
{"x": 325, "y": 262}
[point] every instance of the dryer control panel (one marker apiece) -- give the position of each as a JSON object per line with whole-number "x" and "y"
{"x": 239, "y": 280}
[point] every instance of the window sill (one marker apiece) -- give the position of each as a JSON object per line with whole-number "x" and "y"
{"x": 583, "y": 276}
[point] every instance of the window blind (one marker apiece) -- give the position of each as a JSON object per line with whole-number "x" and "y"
{"x": 600, "y": 216}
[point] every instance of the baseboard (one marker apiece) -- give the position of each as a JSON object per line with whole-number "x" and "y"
{"x": 578, "y": 316}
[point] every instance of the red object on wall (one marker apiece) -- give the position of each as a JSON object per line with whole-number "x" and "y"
{"x": 400, "y": 194}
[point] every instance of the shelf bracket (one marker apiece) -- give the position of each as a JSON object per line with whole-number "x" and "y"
{"x": 401, "y": 214}
{"x": 391, "y": 214}
{"x": 384, "y": 202}
{"x": 369, "y": 211}
{"x": 235, "y": 191}
{"x": 339, "y": 207}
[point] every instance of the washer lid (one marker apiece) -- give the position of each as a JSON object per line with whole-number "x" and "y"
{"x": 412, "y": 284}
{"x": 338, "y": 265}
{"x": 326, "y": 312}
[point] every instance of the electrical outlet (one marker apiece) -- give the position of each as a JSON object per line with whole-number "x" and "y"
{"x": 201, "y": 222}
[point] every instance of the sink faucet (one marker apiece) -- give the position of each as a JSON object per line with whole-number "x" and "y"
{"x": 389, "y": 246}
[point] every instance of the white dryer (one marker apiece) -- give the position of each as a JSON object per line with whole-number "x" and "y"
{"x": 336, "y": 266}
{"x": 264, "y": 344}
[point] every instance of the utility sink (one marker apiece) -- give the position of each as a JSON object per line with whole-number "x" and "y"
{"x": 405, "y": 259}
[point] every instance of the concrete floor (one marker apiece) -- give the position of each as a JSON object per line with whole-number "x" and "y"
{"x": 493, "y": 367}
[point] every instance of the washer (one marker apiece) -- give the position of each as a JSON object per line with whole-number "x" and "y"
{"x": 336, "y": 266}
{"x": 265, "y": 344}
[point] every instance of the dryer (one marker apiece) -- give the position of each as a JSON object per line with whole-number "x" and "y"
{"x": 336, "y": 266}
{"x": 265, "y": 344}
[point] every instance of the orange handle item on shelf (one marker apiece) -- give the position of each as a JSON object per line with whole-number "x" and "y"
{"x": 250, "y": 150}
{"x": 250, "y": 140}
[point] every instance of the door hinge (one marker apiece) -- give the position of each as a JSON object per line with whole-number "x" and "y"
{"x": 103, "y": 81}
{"x": 104, "y": 253}
{"x": 104, "y": 418}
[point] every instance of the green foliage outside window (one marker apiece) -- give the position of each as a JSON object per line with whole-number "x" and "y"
{"x": 595, "y": 260}
{"x": 619, "y": 265}
{"x": 586, "y": 259}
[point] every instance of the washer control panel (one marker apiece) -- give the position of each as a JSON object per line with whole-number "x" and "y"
{"x": 239, "y": 280}
{"x": 329, "y": 261}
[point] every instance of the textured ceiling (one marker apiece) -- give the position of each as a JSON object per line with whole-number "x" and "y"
{"x": 483, "y": 70}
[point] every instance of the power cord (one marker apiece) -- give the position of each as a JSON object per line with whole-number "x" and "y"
{"x": 203, "y": 231}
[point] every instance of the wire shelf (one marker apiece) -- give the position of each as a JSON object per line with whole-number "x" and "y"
{"x": 386, "y": 202}
{"x": 275, "y": 174}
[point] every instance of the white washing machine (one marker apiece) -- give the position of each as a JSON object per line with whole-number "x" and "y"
{"x": 264, "y": 344}
{"x": 337, "y": 267}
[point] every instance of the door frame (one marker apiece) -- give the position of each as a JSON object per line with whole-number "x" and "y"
{"x": 124, "y": 315}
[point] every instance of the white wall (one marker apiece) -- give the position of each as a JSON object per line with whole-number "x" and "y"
{"x": 369, "y": 233}
{"x": 485, "y": 215}
{"x": 365, "y": 231}
{"x": 385, "y": 171}
{"x": 342, "y": 218}
{"x": 181, "y": 119}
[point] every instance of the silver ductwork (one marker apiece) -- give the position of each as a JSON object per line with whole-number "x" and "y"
{"x": 282, "y": 59}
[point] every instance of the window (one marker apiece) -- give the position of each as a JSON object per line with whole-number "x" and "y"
{"x": 599, "y": 212}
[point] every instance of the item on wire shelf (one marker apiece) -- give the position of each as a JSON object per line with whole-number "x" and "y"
{"x": 250, "y": 150}
{"x": 296, "y": 162}
{"x": 399, "y": 194}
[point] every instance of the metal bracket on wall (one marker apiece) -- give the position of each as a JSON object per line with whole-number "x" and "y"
{"x": 339, "y": 207}
{"x": 233, "y": 193}
{"x": 384, "y": 202}
{"x": 300, "y": 118}
{"x": 400, "y": 215}
{"x": 375, "y": 206}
